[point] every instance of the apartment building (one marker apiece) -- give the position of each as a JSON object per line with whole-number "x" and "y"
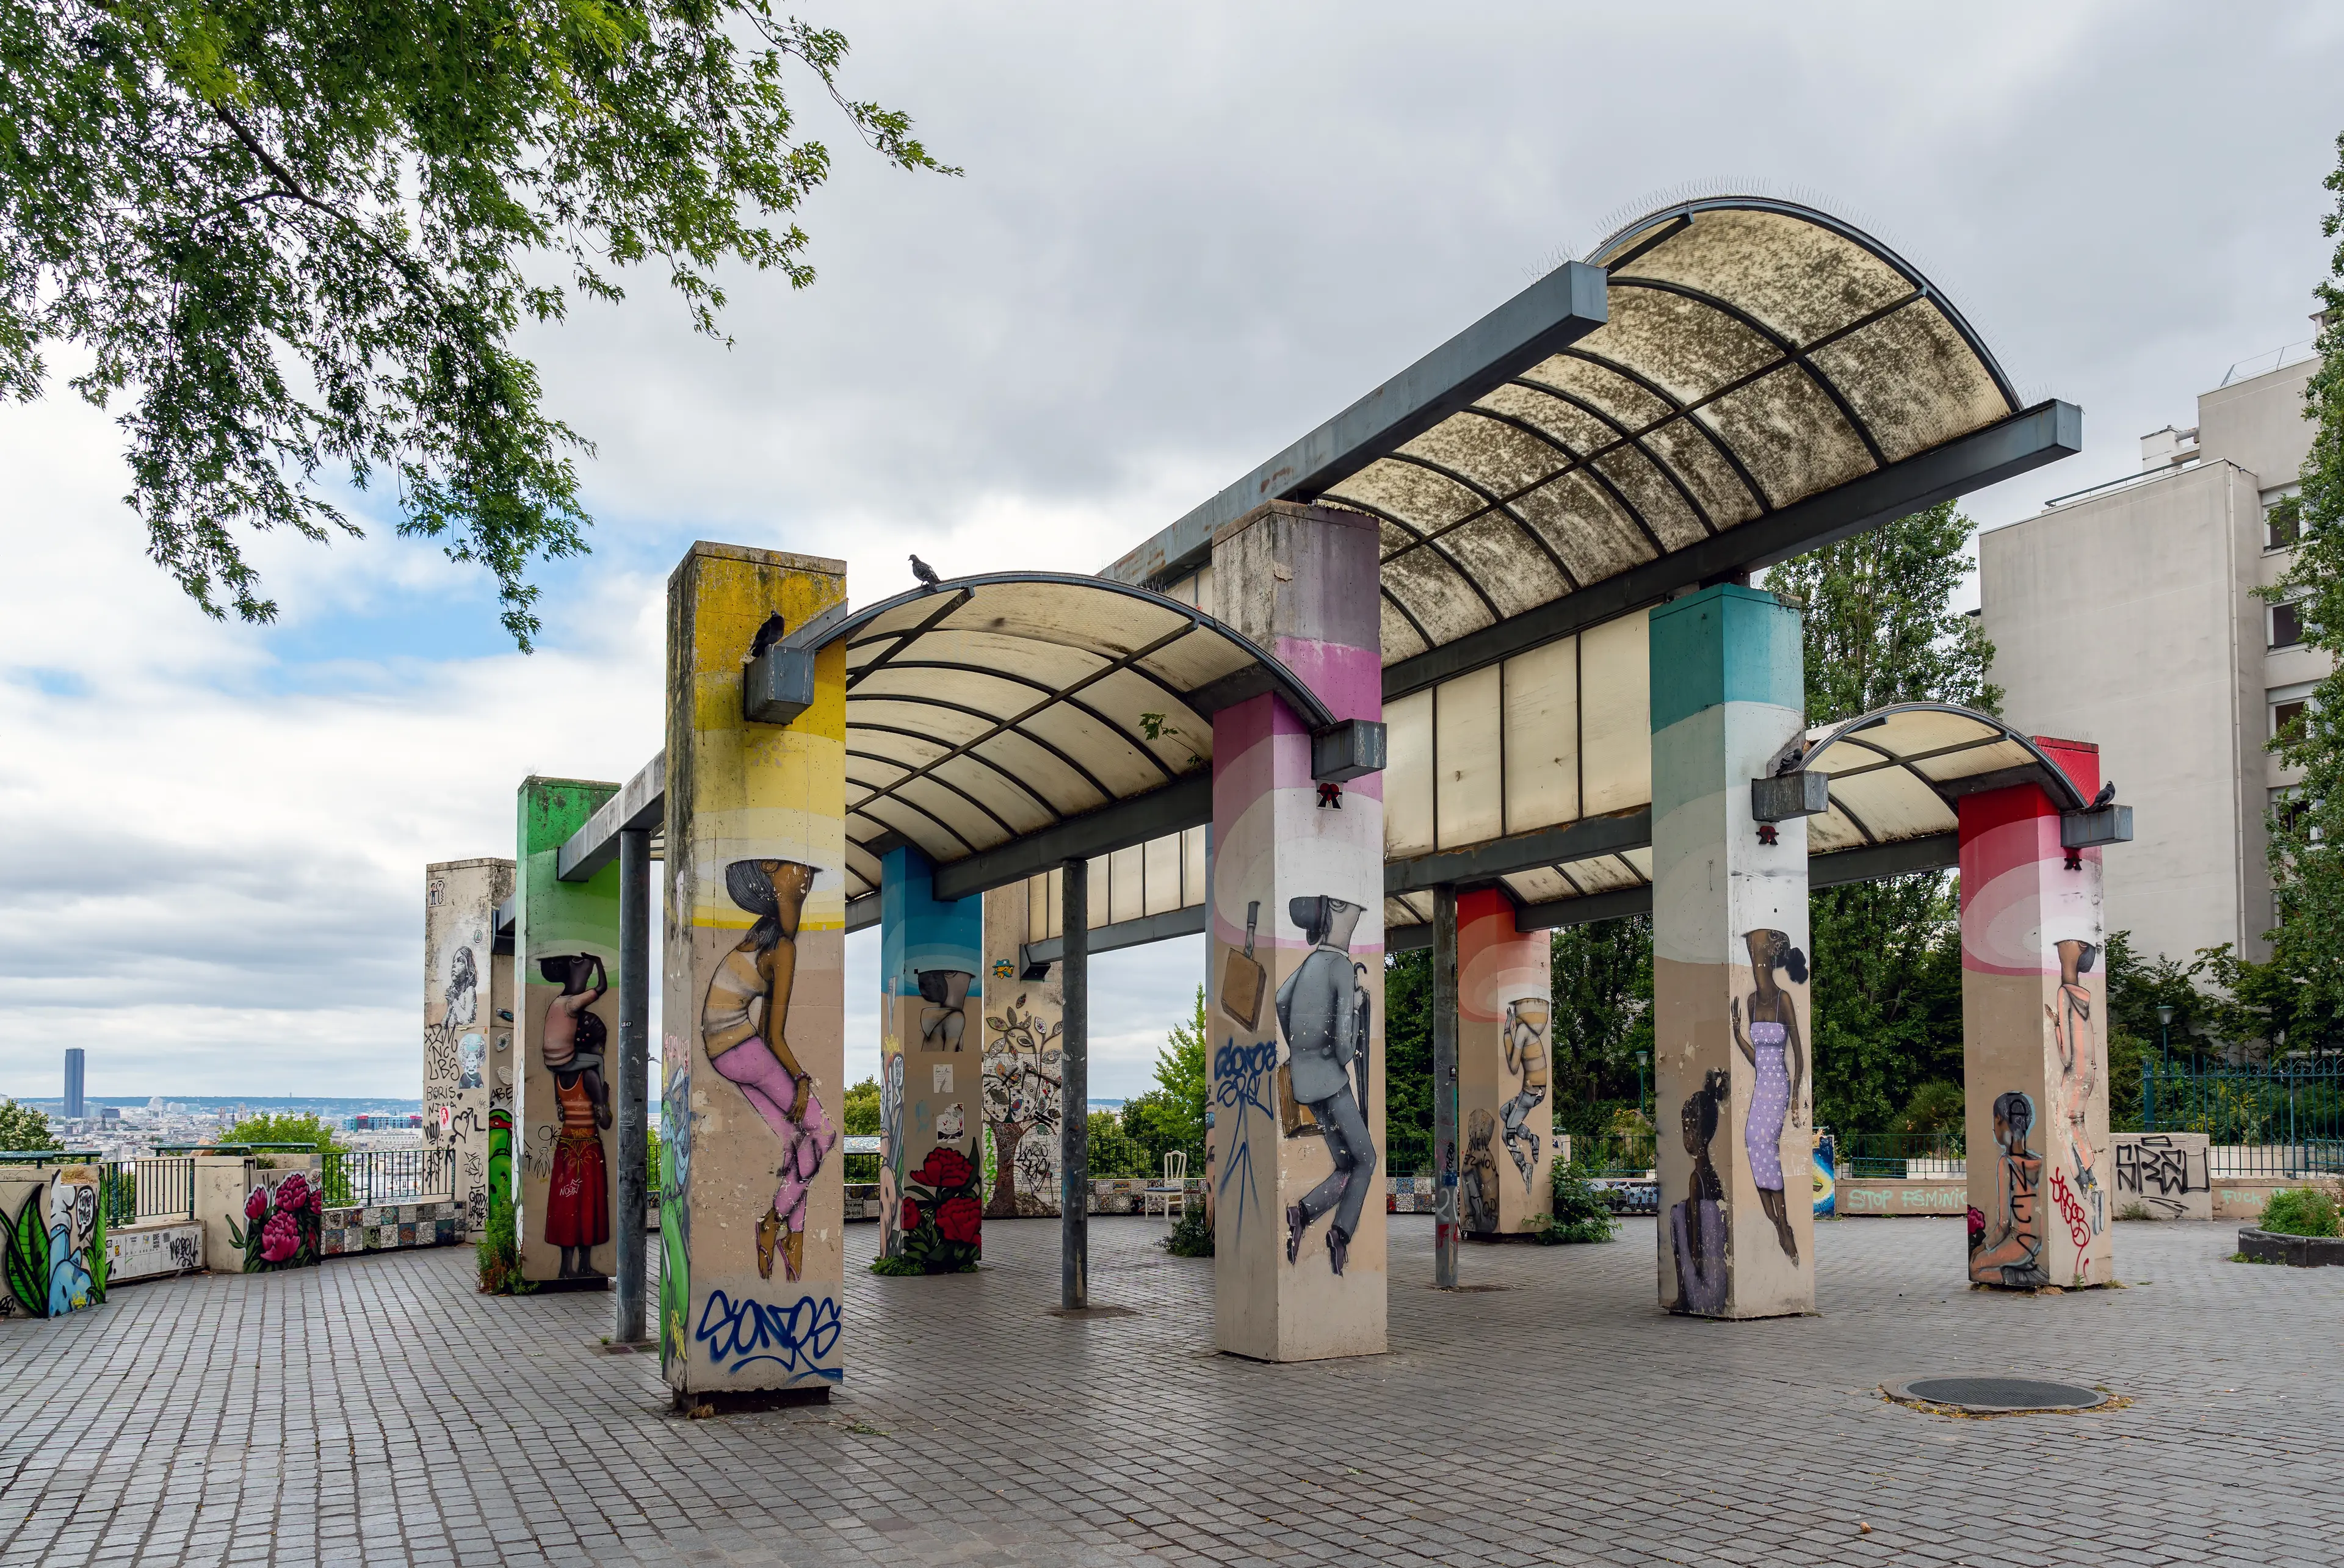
{"x": 2127, "y": 615}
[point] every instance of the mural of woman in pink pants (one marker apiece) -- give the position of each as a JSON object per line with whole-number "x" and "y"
{"x": 742, "y": 1026}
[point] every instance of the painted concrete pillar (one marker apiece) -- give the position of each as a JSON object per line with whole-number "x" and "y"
{"x": 2034, "y": 1039}
{"x": 1297, "y": 940}
{"x": 932, "y": 1058}
{"x": 1504, "y": 996}
{"x": 53, "y": 1225}
{"x": 468, "y": 1032}
{"x": 566, "y": 954}
{"x": 1024, "y": 1080}
{"x": 1732, "y": 1071}
{"x": 753, "y": 1000}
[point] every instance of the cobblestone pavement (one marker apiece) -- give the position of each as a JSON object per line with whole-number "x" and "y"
{"x": 377, "y": 1411}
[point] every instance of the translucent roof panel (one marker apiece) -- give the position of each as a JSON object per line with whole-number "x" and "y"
{"x": 995, "y": 707}
{"x": 1754, "y": 354}
{"x": 1897, "y": 774}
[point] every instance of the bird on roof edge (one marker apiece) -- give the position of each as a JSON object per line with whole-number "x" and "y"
{"x": 925, "y": 574}
{"x": 2107, "y": 792}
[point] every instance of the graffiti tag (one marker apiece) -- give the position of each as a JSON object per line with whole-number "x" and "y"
{"x": 1240, "y": 1075}
{"x": 2079, "y": 1223}
{"x": 796, "y": 1339}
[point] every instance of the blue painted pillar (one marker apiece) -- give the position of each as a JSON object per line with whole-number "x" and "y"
{"x": 1733, "y": 1063}
{"x": 931, "y": 1060}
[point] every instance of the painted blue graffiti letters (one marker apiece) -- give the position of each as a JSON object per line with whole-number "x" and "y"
{"x": 797, "y": 1339}
{"x": 1241, "y": 1076}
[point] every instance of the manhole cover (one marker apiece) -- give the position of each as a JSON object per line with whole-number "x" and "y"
{"x": 1996, "y": 1395}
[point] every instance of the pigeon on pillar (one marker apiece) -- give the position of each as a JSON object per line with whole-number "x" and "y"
{"x": 2107, "y": 792}
{"x": 768, "y": 635}
{"x": 925, "y": 574}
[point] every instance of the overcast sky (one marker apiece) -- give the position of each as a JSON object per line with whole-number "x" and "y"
{"x": 1186, "y": 235}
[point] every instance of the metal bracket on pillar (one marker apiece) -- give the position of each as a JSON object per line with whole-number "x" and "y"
{"x": 778, "y": 683}
{"x": 1791, "y": 795}
{"x": 1029, "y": 967}
{"x": 1347, "y": 750}
{"x": 2095, "y": 826}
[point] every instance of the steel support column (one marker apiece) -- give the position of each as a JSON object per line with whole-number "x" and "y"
{"x": 633, "y": 1074}
{"x": 1444, "y": 1086}
{"x": 1074, "y": 1123}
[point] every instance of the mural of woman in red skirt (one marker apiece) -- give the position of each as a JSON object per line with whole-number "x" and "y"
{"x": 578, "y": 1203}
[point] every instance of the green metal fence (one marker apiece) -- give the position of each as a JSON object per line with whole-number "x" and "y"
{"x": 2287, "y": 1119}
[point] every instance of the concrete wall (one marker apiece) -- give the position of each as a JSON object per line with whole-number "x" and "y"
{"x": 468, "y": 1031}
{"x": 53, "y": 1252}
{"x": 2129, "y": 619}
{"x": 155, "y": 1250}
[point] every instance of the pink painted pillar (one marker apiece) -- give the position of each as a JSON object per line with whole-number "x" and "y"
{"x": 1296, "y": 955}
{"x": 2034, "y": 1039}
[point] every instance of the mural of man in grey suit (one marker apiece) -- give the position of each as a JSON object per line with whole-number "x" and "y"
{"x": 1323, "y": 1009}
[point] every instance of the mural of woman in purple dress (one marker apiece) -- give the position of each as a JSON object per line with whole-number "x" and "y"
{"x": 1773, "y": 1050}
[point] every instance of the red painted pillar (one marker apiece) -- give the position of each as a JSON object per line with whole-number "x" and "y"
{"x": 2035, "y": 1037}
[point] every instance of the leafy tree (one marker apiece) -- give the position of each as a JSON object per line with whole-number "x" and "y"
{"x": 305, "y": 1130}
{"x": 1407, "y": 1063}
{"x": 301, "y": 237}
{"x": 1881, "y": 629}
{"x": 1170, "y": 1117}
{"x": 22, "y": 1128}
{"x": 2307, "y": 838}
{"x": 1602, "y": 977}
{"x": 859, "y": 1110}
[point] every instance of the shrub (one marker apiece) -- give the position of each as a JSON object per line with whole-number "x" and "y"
{"x": 1935, "y": 1106}
{"x": 2299, "y": 1211}
{"x": 499, "y": 1254}
{"x": 1581, "y": 1214}
{"x": 1193, "y": 1236}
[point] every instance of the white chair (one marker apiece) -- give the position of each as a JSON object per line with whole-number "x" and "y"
{"x": 1173, "y": 1194}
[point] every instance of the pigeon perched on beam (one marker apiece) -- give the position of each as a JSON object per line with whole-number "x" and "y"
{"x": 768, "y": 635}
{"x": 2107, "y": 792}
{"x": 925, "y": 574}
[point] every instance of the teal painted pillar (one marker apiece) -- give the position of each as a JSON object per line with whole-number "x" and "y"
{"x": 1733, "y": 1070}
{"x": 566, "y": 962}
{"x": 932, "y": 1064}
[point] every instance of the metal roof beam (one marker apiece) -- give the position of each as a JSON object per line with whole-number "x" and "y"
{"x": 1186, "y": 920}
{"x": 1486, "y": 862}
{"x": 2041, "y": 434}
{"x": 1552, "y": 313}
{"x": 640, "y": 803}
{"x": 1184, "y": 804}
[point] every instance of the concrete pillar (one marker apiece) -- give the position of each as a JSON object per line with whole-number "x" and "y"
{"x": 56, "y": 1214}
{"x": 1025, "y": 1056}
{"x": 1075, "y": 1126}
{"x": 566, "y": 953}
{"x": 2034, "y": 1039}
{"x": 1504, "y": 991}
{"x": 1733, "y": 1067}
{"x": 1297, "y": 942}
{"x": 467, "y": 1046}
{"x": 633, "y": 1081}
{"x": 932, "y": 1056}
{"x": 753, "y": 1000}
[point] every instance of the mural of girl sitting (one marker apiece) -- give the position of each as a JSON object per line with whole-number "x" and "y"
{"x": 742, "y": 1027}
{"x": 1774, "y": 1052}
{"x": 1697, "y": 1224}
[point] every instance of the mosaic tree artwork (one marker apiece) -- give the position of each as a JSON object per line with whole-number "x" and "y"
{"x": 1024, "y": 1098}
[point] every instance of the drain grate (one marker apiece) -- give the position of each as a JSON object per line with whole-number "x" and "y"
{"x": 1996, "y": 1395}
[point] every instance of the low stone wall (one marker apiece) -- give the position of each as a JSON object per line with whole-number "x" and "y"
{"x": 428, "y": 1222}
{"x": 1858, "y": 1197}
{"x": 2243, "y": 1198}
{"x": 154, "y": 1249}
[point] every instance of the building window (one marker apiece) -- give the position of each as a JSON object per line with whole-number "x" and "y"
{"x": 2287, "y": 716}
{"x": 2281, "y": 527}
{"x": 2286, "y": 625}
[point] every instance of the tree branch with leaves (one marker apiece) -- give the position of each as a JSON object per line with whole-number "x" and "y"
{"x": 296, "y": 241}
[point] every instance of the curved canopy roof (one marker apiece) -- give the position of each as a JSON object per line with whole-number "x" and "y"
{"x": 995, "y": 707}
{"x": 1895, "y": 774}
{"x": 1754, "y": 354}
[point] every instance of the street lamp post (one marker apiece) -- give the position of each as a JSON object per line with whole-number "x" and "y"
{"x": 1644, "y": 1100}
{"x": 2164, "y": 1036}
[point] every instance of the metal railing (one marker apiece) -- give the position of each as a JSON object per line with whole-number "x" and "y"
{"x": 1900, "y": 1155}
{"x": 2282, "y": 1120}
{"x": 138, "y": 1190}
{"x": 366, "y": 1178}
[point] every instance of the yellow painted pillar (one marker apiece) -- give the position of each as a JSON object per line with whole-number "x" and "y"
{"x": 753, "y": 1004}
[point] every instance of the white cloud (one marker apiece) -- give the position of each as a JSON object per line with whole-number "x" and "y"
{"x": 1185, "y": 236}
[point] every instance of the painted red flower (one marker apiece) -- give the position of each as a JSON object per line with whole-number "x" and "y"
{"x": 958, "y": 1218}
{"x": 911, "y": 1220}
{"x": 280, "y": 1238}
{"x": 256, "y": 1206}
{"x": 293, "y": 1194}
{"x": 943, "y": 1168}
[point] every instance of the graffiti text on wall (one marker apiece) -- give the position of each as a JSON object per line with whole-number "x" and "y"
{"x": 798, "y": 1338}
